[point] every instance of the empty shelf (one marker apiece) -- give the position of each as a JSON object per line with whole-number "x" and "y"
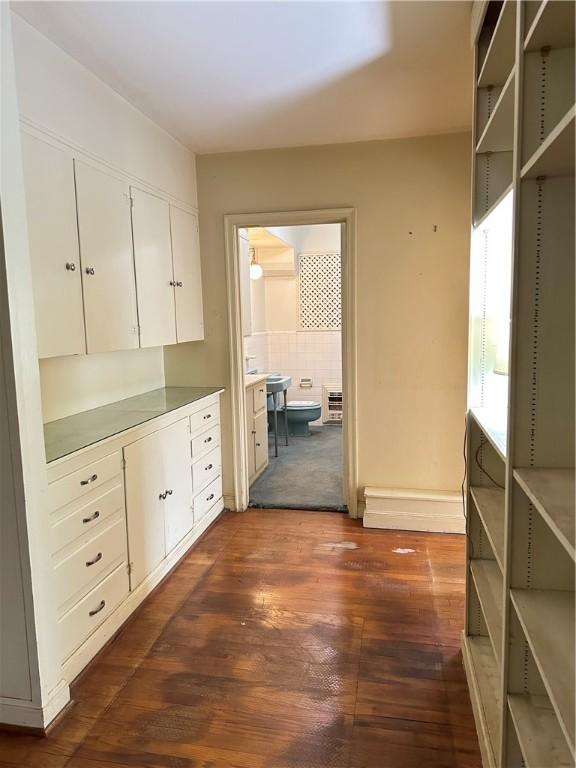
{"x": 484, "y": 679}
{"x": 547, "y": 618}
{"x": 494, "y": 424}
{"x": 551, "y": 491}
{"x": 490, "y": 505}
{"x": 488, "y": 581}
{"x": 539, "y": 734}
{"x": 498, "y": 136}
{"x": 553, "y": 26}
{"x": 555, "y": 156}
{"x": 500, "y": 55}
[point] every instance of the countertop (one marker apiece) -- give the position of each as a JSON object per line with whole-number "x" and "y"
{"x": 65, "y": 436}
{"x": 254, "y": 378}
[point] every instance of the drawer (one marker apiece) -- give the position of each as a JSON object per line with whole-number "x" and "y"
{"x": 83, "y": 481}
{"x": 204, "y": 419}
{"x": 83, "y": 517}
{"x": 259, "y": 397}
{"x": 206, "y": 499}
{"x": 82, "y": 567}
{"x": 205, "y": 442}
{"x": 206, "y": 469}
{"x": 87, "y": 615}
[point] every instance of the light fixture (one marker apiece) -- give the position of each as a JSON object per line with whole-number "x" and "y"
{"x": 256, "y": 270}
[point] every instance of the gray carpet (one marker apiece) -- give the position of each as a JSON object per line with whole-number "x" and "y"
{"x": 306, "y": 475}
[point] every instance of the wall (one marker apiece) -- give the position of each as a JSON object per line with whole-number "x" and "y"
{"x": 64, "y": 100}
{"x": 412, "y": 198}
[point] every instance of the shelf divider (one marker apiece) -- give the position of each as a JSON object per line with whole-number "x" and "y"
{"x": 539, "y": 734}
{"x": 547, "y": 618}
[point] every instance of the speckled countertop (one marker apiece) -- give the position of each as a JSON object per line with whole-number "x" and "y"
{"x": 254, "y": 378}
{"x": 65, "y": 436}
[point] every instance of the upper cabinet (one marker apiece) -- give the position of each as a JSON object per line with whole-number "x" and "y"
{"x": 53, "y": 236}
{"x": 107, "y": 267}
{"x": 154, "y": 273}
{"x": 187, "y": 275}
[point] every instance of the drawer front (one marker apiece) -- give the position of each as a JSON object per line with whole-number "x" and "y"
{"x": 204, "y": 419}
{"x": 206, "y": 499}
{"x": 204, "y": 443}
{"x": 87, "y": 615}
{"x": 206, "y": 469}
{"x": 85, "y": 517}
{"x": 259, "y": 397}
{"x": 81, "y": 568}
{"x": 83, "y": 481}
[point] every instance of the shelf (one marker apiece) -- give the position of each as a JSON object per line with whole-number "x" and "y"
{"x": 555, "y": 156}
{"x": 539, "y": 735}
{"x": 484, "y": 683}
{"x": 488, "y": 581}
{"x": 500, "y": 55}
{"x": 547, "y": 618}
{"x": 490, "y": 505}
{"x": 494, "y": 424}
{"x": 498, "y": 136}
{"x": 553, "y": 26}
{"x": 551, "y": 491}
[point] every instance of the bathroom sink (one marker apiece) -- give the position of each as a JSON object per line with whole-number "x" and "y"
{"x": 277, "y": 383}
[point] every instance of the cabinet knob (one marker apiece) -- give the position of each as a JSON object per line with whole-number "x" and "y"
{"x": 172, "y": 283}
{"x": 169, "y": 492}
{"x": 162, "y": 496}
{"x": 257, "y": 445}
{"x": 253, "y": 431}
{"x": 70, "y": 266}
{"x": 89, "y": 270}
{"x": 97, "y": 610}
{"x": 94, "y": 560}
{"x": 179, "y": 283}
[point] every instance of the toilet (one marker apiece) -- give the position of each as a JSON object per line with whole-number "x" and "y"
{"x": 300, "y": 414}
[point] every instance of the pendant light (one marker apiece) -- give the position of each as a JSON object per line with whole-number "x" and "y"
{"x": 256, "y": 270}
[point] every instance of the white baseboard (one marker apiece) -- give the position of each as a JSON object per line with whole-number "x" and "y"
{"x": 407, "y": 510}
{"x": 229, "y": 501}
{"x": 25, "y": 714}
{"x": 81, "y": 657}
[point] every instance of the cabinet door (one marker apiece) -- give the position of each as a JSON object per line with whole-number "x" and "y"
{"x": 261, "y": 440}
{"x": 187, "y": 275}
{"x": 154, "y": 274}
{"x": 250, "y": 436}
{"x": 244, "y": 266}
{"x": 145, "y": 481}
{"x": 53, "y": 235}
{"x": 176, "y": 460}
{"x": 107, "y": 263}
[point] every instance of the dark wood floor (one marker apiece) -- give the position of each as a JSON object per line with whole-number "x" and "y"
{"x": 284, "y": 640}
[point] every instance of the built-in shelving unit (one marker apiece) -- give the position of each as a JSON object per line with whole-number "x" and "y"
{"x": 519, "y": 642}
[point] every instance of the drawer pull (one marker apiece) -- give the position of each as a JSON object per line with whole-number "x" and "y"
{"x": 208, "y": 416}
{"x": 210, "y": 466}
{"x": 94, "y": 560}
{"x": 210, "y": 497}
{"x": 93, "y": 516}
{"x": 208, "y": 440}
{"x": 97, "y": 610}
{"x": 261, "y": 390}
{"x": 91, "y": 479}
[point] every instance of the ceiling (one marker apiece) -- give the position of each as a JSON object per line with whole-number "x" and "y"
{"x": 223, "y": 76}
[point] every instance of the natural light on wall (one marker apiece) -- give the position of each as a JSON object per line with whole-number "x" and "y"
{"x": 490, "y": 274}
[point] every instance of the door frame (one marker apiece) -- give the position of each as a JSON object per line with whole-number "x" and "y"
{"x": 232, "y": 223}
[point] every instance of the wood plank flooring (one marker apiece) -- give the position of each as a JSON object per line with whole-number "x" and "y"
{"x": 284, "y": 640}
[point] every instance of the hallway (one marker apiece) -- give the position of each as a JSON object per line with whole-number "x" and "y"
{"x": 283, "y": 640}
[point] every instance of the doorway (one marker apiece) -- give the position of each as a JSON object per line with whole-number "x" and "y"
{"x": 299, "y": 306}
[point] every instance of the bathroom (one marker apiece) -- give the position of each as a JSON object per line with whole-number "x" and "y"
{"x": 291, "y": 299}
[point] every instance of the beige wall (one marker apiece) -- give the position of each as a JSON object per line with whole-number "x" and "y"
{"x": 412, "y": 198}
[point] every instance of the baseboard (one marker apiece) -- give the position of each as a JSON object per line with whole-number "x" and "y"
{"x": 229, "y": 501}
{"x": 477, "y": 706}
{"x": 74, "y": 665}
{"x": 407, "y": 510}
{"x": 26, "y": 717}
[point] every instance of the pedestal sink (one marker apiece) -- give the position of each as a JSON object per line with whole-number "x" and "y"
{"x": 276, "y": 383}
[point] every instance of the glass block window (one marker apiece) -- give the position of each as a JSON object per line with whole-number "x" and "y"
{"x": 320, "y": 291}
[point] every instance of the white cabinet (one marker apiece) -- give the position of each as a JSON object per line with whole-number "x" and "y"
{"x": 256, "y": 429}
{"x": 187, "y": 275}
{"x": 53, "y": 235}
{"x": 158, "y": 496}
{"x": 244, "y": 267}
{"x": 107, "y": 266}
{"x": 154, "y": 272}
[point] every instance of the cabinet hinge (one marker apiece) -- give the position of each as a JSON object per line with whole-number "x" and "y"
{"x": 131, "y": 202}
{"x": 129, "y": 568}
{"x": 123, "y": 463}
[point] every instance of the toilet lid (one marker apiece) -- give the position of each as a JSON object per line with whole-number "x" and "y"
{"x": 303, "y": 404}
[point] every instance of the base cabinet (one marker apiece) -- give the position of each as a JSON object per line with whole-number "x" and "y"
{"x": 257, "y": 430}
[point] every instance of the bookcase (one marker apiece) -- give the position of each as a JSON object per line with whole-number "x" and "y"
{"x": 518, "y": 643}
